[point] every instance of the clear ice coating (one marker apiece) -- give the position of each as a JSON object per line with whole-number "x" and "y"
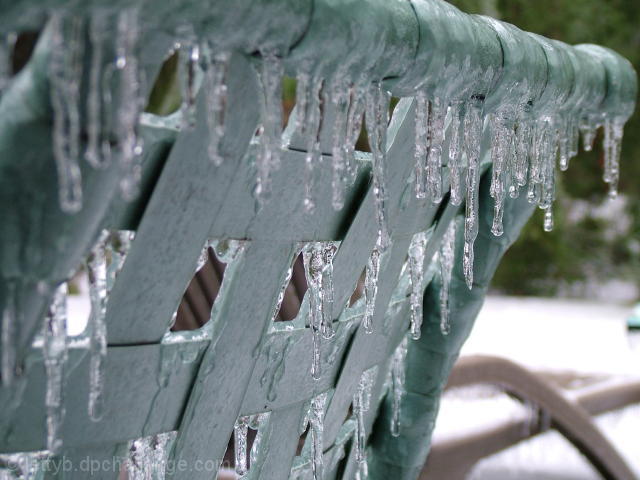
{"x": 473, "y": 126}
{"x": 316, "y": 421}
{"x": 148, "y": 456}
{"x": 318, "y": 264}
{"x": 22, "y": 466}
{"x": 429, "y": 137}
{"x": 416, "y": 277}
{"x": 257, "y": 423}
{"x": 455, "y": 152}
{"x": 217, "y": 65}
{"x": 340, "y": 100}
{"x": 130, "y": 101}
{"x": 240, "y": 430}
{"x": 55, "y": 358}
{"x": 501, "y": 153}
{"x": 397, "y": 385}
{"x": 446, "y": 254}
{"x": 97, "y": 273}
{"x": 98, "y": 150}
{"x": 10, "y": 324}
{"x": 361, "y": 404}
{"x": 377, "y": 118}
{"x": 372, "y": 272}
{"x": 309, "y": 124}
{"x": 268, "y": 159}
{"x": 189, "y": 62}
{"x": 65, "y": 73}
{"x": 613, "y": 132}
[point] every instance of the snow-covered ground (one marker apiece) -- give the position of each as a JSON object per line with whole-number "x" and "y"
{"x": 551, "y": 335}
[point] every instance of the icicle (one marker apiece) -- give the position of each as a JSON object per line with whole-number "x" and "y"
{"x": 129, "y": 101}
{"x": 303, "y": 94}
{"x": 316, "y": 420}
{"x": 377, "y": 117}
{"x": 65, "y": 74}
{"x": 96, "y": 153}
{"x": 434, "y": 152}
{"x": 422, "y": 144}
{"x": 216, "y": 99}
{"x": 10, "y": 325}
{"x": 613, "y": 133}
{"x": 372, "y": 272}
{"x": 447, "y": 253}
{"x": 240, "y": 444}
{"x": 340, "y": 99}
{"x": 271, "y": 131}
{"x": 318, "y": 258}
{"x": 502, "y": 142}
{"x": 548, "y": 219}
{"x": 7, "y": 43}
{"x": 311, "y": 129}
{"x": 189, "y": 59}
{"x": 354, "y": 126}
{"x": 257, "y": 422}
{"x": 455, "y": 152}
{"x": 397, "y": 385}
{"x": 473, "y": 125}
{"x": 97, "y": 273}
{"x": 523, "y": 148}
{"x": 574, "y": 137}
{"x": 564, "y": 147}
{"x": 416, "y": 275}
{"x": 361, "y": 404}
{"x": 55, "y": 357}
{"x": 588, "y": 127}
{"x": 328, "y": 252}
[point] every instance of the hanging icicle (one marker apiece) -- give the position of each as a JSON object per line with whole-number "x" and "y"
{"x": 97, "y": 273}
{"x": 397, "y": 385}
{"x": 455, "y": 152}
{"x": 318, "y": 258}
{"x": 240, "y": 444}
{"x": 268, "y": 159}
{"x": 447, "y": 254}
{"x": 65, "y": 74}
{"x": 422, "y": 144}
{"x": 98, "y": 151}
{"x": 473, "y": 126}
{"x": 435, "y": 133}
{"x": 416, "y": 276}
{"x": 371, "y": 275}
{"x": 361, "y": 404}
{"x": 55, "y": 358}
{"x": 316, "y": 421}
{"x": 613, "y": 133}
{"x": 309, "y": 122}
{"x": 377, "y": 118}
{"x": 340, "y": 99}
{"x": 130, "y": 101}
{"x": 189, "y": 62}
{"x": 217, "y": 66}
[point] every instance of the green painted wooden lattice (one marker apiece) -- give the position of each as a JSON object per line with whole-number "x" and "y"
{"x": 199, "y": 383}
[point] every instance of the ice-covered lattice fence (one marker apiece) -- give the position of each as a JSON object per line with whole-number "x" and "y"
{"x": 486, "y": 112}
